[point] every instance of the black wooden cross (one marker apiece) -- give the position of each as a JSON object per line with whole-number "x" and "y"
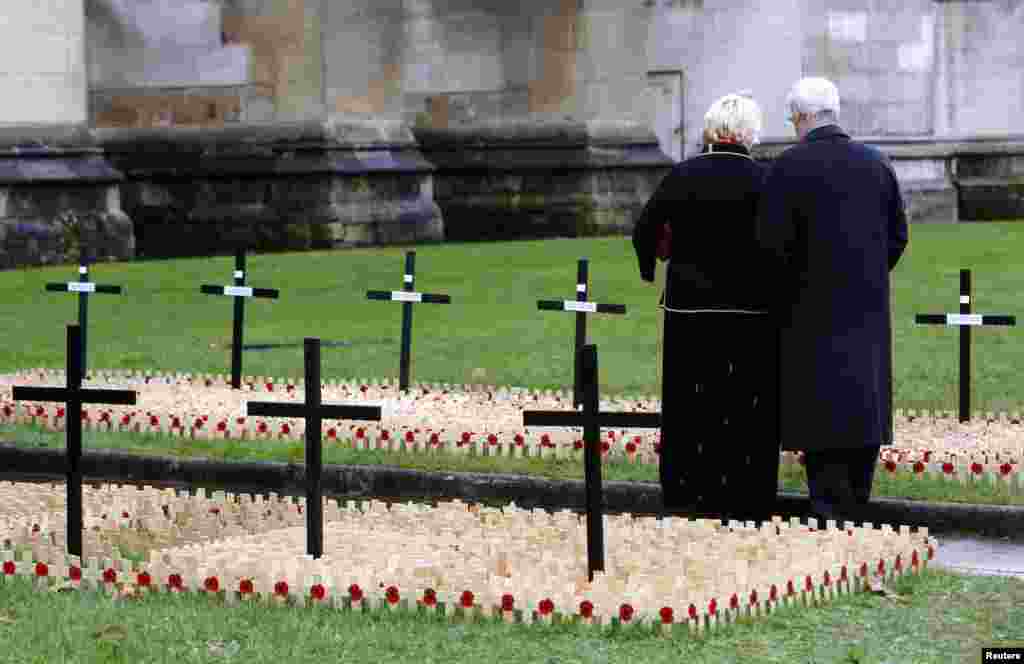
{"x": 73, "y": 396}
{"x": 239, "y": 291}
{"x": 407, "y": 296}
{"x": 582, "y": 308}
{"x": 592, "y": 420}
{"x": 314, "y": 413}
{"x": 83, "y": 287}
{"x": 964, "y": 320}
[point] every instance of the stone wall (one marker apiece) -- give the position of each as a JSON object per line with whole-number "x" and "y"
{"x": 42, "y": 48}
{"x": 59, "y": 199}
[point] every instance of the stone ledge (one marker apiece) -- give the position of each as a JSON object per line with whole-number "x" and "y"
{"x": 386, "y": 482}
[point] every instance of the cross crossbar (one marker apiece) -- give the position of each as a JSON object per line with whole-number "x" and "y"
{"x": 84, "y": 288}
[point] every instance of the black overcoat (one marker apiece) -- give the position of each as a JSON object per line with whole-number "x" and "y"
{"x": 719, "y": 434}
{"x": 832, "y": 216}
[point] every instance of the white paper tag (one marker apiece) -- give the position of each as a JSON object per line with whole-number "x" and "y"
{"x": 965, "y": 299}
{"x": 240, "y": 291}
{"x": 81, "y": 287}
{"x": 408, "y": 278}
{"x": 963, "y": 319}
{"x": 239, "y": 274}
{"x": 581, "y": 288}
{"x": 590, "y": 307}
{"x": 83, "y": 269}
{"x": 406, "y": 296}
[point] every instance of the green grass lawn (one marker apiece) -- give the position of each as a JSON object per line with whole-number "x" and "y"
{"x": 937, "y": 617}
{"x": 791, "y": 478}
{"x": 163, "y": 323}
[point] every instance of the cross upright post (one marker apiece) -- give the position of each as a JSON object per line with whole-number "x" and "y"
{"x": 73, "y": 397}
{"x": 239, "y": 291}
{"x": 592, "y": 420}
{"x": 964, "y": 320}
{"x": 582, "y": 307}
{"x": 83, "y": 287}
{"x": 314, "y": 412}
{"x": 407, "y": 296}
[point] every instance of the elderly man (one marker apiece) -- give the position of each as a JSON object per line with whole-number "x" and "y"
{"x": 832, "y": 215}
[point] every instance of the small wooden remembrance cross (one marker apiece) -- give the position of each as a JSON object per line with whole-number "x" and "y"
{"x": 407, "y": 296}
{"x": 582, "y": 308}
{"x": 239, "y": 291}
{"x": 964, "y": 320}
{"x": 73, "y": 396}
{"x": 314, "y": 413}
{"x": 592, "y": 420}
{"x": 83, "y": 287}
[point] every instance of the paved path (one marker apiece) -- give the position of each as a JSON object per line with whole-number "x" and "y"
{"x": 973, "y": 555}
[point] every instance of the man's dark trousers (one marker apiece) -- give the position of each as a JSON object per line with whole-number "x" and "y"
{"x": 839, "y": 481}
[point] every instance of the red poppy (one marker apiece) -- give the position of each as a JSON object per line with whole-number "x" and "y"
{"x": 198, "y": 424}
{"x": 281, "y": 588}
{"x": 175, "y": 582}
{"x": 466, "y": 600}
{"x": 154, "y": 421}
{"x": 318, "y": 592}
{"x": 519, "y": 440}
{"x": 808, "y": 583}
{"x": 222, "y": 426}
{"x": 545, "y": 440}
{"x": 261, "y": 427}
{"x": 734, "y": 602}
{"x": 899, "y": 563}
{"x": 625, "y": 613}
{"x": 42, "y": 569}
{"x": 863, "y": 569}
{"x": 947, "y": 468}
{"x": 507, "y": 602}
{"x": 492, "y": 440}
{"x": 631, "y": 447}
{"x": 828, "y": 579}
{"x": 667, "y": 615}
{"x": 890, "y": 466}
{"x": 286, "y": 429}
{"x": 790, "y": 588}
{"x": 331, "y": 433}
{"x": 270, "y": 387}
{"x": 391, "y": 594}
{"x": 35, "y": 528}
{"x": 85, "y": 415}
{"x": 245, "y": 586}
{"x": 126, "y": 420}
{"x": 239, "y": 420}
{"x": 657, "y": 447}
{"x": 360, "y": 433}
{"x": 605, "y": 447}
{"x": 843, "y": 574}
{"x": 577, "y": 444}
{"x": 109, "y": 575}
{"x": 429, "y": 597}
{"x": 355, "y": 593}
{"x": 931, "y": 552}
{"x": 75, "y": 573}
{"x": 385, "y": 435}
{"x": 1005, "y": 469}
{"x": 60, "y": 412}
{"x": 977, "y": 468}
{"x": 918, "y": 467}
{"x": 586, "y": 608}
{"x": 914, "y": 559}
{"x": 465, "y": 437}
{"x": 214, "y": 510}
{"x": 40, "y": 411}
{"x": 211, "y": 584}
{"x": 362, "y": 388}
{"x": 713, "y": 607}
{"x": 8, "y": 411}
{"x": 143, "y": 579}
{"x": 753, "y": 597}
{"x": 773, "y": 593}
{"x": 409, "y": 436}
{"x": 435, "y": 439}
{"x": 693, "y": 612}
{"x": 290, "y": 387}
{"x": 881, "y": 566}
{"x": 546, "y": 606}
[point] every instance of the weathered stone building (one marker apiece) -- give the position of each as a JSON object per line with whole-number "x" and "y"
{"x": 296, "y": 123}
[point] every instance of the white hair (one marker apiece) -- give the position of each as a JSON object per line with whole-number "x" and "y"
{"x": 734, "y": 117}
{"x": 816, "y": 97}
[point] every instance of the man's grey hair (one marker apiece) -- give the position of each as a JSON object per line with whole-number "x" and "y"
{"x": 816, "y": 97}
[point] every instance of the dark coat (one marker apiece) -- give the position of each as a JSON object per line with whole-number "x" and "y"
{"x": 711, "y": 203}
{"x": 832, "y": 215}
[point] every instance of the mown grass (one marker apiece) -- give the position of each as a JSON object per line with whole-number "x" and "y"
{"x": 937, "y": 617}
{"x": 163, "y": 323}
{"x": 901, "y": 484}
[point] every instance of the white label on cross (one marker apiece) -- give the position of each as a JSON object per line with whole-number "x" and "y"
{"x": 963, "y": 319}
{"x": 408, "y": 278}
{"x": 406, "y": 296}
{"x": 239, "y": 291}
{"x": 239, "y": 274}
{"x": 590, "y": 307}
{"x": 83, "y": 269}
{"x": 581, "y": 288}
{"x": 81, "y": 287}
{"x": 965, "y": 299}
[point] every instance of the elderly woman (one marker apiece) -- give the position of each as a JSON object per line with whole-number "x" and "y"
{"x": 719, "y": 441}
